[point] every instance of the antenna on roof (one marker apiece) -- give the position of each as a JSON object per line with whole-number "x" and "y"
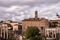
{"x": 57, "y": 15}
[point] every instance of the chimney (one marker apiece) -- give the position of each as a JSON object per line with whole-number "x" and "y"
{"x": 36, "y": 14}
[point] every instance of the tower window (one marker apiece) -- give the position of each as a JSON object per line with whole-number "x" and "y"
{"x": 41, "y": 28}
{"x": 54, "y": 35}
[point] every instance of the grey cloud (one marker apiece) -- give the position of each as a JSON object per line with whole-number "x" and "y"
{"x": 22, "y": 2}
{"x": 29, "y": 11}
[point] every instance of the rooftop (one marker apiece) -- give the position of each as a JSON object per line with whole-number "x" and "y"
{"x": 34, "y": 19}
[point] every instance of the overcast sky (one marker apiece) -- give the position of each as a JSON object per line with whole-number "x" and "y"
{"x": 17, "y": 10}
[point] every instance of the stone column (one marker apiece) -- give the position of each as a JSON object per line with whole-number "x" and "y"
{"x": 1, "y": 32}
{"x": 4, "y": 34}
{"x": 7, "y": 34}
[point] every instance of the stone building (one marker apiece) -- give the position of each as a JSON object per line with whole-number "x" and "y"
{"x": 49, "y": 28}
{"x": 9, "y": 29}
{"x": 5, "y": 31}
{"x": 54, "y": 23}
{"x": 41, "y": 23}
{"x": 50, "y": 33}
{"x": 12, "y": 23}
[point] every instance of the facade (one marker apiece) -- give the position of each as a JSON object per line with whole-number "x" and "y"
{"x": 13, "y": 24}
{"x": 5, "y": 31}
{"x": 41, "y": 23}
{"x": 9, "y": 29}
{"x": 54, "y": 23}
{"x": 49, "y": 28}
{"x": 50, "y": 33}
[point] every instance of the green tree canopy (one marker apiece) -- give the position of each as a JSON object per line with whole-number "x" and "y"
{"x": 32, "y": 33}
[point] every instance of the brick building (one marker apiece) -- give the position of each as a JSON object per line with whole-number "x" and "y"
{"x": 41, "y": 23}
{"x": 49, "y": 28}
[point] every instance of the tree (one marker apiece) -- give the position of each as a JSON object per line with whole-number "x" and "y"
{"x": 32, "y": 33}
{"x": 11, "y": 38}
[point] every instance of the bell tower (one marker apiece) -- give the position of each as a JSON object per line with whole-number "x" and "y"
{"x": 36, "y": 14}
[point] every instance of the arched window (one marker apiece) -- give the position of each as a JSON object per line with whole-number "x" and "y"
{"x": 54, "y": 35}
{"x": 41, "y": 28}
{"x": 10, "y": 27}
{"x": 19, "y": 27}
{"x": 50, "y": 34}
